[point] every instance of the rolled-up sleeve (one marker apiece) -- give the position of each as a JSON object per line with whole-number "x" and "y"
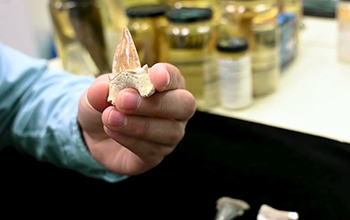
{"x": 38, "y": 114}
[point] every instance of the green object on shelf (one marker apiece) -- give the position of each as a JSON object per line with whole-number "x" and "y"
{"x": 324, "y": 8}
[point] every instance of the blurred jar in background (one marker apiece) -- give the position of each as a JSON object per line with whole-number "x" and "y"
{"x": 191, "y": 45}
{"x": 147, "y": 25}
{"x": 255, "y": 20}
{"x": 79, "y": 37}
{"x": 114, "y": 20}
{"x": 294, "y": 7}
{"x": 343, "y": 16}
{"x": 131, "y": 3}
{"x": 235, "y": 73}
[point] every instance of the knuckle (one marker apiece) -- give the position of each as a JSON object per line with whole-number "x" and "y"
{"x": 162, "y": 104}
{"x": 176, "y": 135}
{"x": 154, "y": 153}
{"x": 142, "y": 128}
{"x": 190, "y": 105}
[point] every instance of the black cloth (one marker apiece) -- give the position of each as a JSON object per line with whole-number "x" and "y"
{"x": 218, "y": 157}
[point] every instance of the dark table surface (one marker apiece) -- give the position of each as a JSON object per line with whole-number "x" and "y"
{"x": 218, "y": 157}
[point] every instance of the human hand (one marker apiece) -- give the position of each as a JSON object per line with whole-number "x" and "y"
{"x": 137, "y": 133}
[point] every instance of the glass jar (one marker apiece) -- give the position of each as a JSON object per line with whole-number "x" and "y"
{"x": 343, "y": 17}
{"x": 255, "y": 20}
{"x": 191, "y": 3}
{"x": 191, "y": 48}
{"x": 79, "y": 36}
{"x": 235, "y": 75}
{"x": 131, "y": 3}
{"x": 146, "y": 24}
{"x": 294, "y": 7}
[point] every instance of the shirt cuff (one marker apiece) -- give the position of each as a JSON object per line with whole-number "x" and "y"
{"x": 80, "y": 159}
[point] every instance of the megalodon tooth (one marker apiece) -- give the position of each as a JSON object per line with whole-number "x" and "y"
{"x": 127, "y": 71}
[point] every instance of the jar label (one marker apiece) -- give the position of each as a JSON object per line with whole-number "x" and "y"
{"x": 235, "y": 82}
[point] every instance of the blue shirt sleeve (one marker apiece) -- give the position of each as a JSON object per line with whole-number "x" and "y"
{"x": 38, "y": 114}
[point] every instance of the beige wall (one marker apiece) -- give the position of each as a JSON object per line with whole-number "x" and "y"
{"x": 25, "y": 25}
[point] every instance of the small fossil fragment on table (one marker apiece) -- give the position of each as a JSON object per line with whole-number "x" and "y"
{"x": 127, "y": 71}
{"x": 268, "y": 213}
{"x": 230, "y": 208}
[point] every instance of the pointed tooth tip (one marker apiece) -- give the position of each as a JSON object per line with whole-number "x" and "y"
{"x": 126, "y": 30}
{"x": 145, "y": 67}
{"x": 126, "y": 56}
{"x": 126, "y": 35}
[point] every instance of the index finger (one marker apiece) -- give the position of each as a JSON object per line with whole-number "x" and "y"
{"x": 165, "y": 76}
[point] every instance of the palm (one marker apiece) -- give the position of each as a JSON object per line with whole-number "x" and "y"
{"x": 122, "y": 162}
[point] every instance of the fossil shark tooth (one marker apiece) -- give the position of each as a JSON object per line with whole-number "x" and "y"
{"x": 127, "y": 71}
{"x": 267, "y": 212}
{"x": 230, "y": 208}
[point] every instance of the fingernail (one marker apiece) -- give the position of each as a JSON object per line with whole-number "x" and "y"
{"x": 117, "y": 119}
{"x": 131, "y": 100}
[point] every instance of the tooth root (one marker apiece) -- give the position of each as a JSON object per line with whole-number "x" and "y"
{"x": 126, "y": 56}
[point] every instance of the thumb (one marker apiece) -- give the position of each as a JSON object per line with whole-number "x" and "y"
{"x": 98, "y": 92}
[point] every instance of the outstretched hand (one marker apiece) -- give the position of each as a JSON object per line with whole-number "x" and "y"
{"x": 137, "y": 133}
